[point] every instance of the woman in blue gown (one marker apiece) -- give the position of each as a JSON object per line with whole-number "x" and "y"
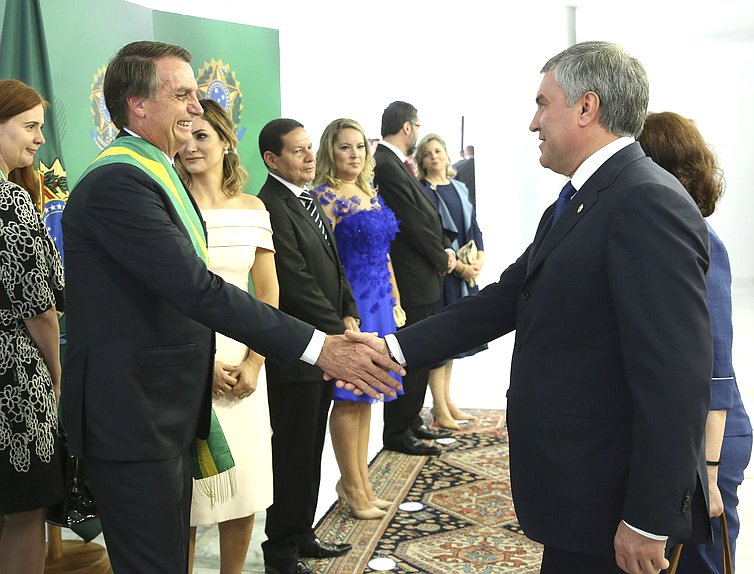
{"x": 674, "y": 143}
{"x": 364, "y": 228}
{"x": 458, "y": 216}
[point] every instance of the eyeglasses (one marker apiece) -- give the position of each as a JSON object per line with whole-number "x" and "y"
{"x": 416, "y": 125}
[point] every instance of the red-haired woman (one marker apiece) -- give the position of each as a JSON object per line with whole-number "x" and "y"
{"x": 31, "y": 291}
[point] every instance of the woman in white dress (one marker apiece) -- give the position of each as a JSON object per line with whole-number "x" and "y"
{"x": 240, "y": 240}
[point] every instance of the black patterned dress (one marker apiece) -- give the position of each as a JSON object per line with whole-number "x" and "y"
{"x": 31, "y": 282}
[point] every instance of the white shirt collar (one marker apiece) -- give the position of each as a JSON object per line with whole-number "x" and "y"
{"x": 395, "y": 150}
{"x": 296, "y": 190}
{"x": 591, "y": 164}
{"x": 170, "y": 159}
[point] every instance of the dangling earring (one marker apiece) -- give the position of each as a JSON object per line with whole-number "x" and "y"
{"x": 226, "y": 150}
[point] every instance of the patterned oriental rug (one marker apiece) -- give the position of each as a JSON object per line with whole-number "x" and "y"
{"x": 467, "y": 525}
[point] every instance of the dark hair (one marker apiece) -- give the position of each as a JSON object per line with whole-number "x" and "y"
{"x": 676, "y": 145}
{"x": 395, "y": 115}
{"x": 271, "y": 136}
{"x": 235, "y": 175}
{"x": 133, "y": 73}
{"x": 17, "y": 98}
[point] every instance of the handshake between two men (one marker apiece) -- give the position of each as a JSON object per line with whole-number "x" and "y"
{"x": 360, "y": 363}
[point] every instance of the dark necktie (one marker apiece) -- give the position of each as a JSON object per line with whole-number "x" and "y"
{"x": 563, "y": 198}
{"x": 308, "y": 202}
{"x": 410, "y": 167}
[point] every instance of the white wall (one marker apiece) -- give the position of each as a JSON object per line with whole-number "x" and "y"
{"x": 477, "y": 60}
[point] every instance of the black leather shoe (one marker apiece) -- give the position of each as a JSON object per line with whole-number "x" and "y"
{"x": 320, "y": 549}
{"x": 412, "y": 445}
{"x": 424, "y": 431}
{"x": 302, "y": 568}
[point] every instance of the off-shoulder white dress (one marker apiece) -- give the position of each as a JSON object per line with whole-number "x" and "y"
{"x": 234, "y": 236}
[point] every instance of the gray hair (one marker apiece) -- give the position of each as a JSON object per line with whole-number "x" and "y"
{"x": 609, "y": 71}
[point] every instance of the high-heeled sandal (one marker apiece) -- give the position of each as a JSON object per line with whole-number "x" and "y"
{"x": 444, "y": 422}
{"x": 463, "y": 416}
{"x": 371, "y": 513}
{"x": 381, "y": 503}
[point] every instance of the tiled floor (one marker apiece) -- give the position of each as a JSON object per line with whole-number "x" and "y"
{"x": 480, "y": 381}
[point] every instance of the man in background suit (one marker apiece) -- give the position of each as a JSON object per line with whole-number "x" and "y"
{"x": 313, "y": 288}
{"x": 142, "y": 308}
{"x": 609, "y": 384}
{"x": 465, "y": 172}
{"x": 421, "y": 256}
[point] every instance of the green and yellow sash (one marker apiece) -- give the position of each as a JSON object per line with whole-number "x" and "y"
{"x": 212, "y": 462}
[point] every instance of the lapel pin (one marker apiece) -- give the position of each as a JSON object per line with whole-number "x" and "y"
{"x": 581, "y": 206}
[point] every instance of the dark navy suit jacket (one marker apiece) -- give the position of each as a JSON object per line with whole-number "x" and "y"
{"x": 609, "y": 386}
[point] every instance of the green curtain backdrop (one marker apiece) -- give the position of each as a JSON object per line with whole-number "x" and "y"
{"x": 241, "y": 65}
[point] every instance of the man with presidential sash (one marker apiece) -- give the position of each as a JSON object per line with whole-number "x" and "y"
{"x": 142, "y": 309}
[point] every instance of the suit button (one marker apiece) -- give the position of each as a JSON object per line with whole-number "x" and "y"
{"x": 686, "y": 502}
{"x": 524, "y": 295}
{"x": 516, "y": 347}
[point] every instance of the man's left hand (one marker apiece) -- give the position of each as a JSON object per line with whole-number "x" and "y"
{"x": 358, "y": 364}
{"x": 637, "y": 554}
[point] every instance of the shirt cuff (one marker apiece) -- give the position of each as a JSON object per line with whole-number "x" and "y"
{"x": 395, "y": 349}
{"x": 646, "y": 534}
{"x": 314, "y": 348}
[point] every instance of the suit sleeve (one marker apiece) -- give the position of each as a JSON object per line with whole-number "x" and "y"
{"x": 466, "y": 324}
{"x": 300, "y": 293}
{"x": 415, "y": 225}
{"x": 349, "y": 301}
{"x": 127, "y": 214}
{"x": 657, "y": 257}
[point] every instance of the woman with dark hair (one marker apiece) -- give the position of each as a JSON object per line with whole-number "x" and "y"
{"x": 31, "y": 294}
{"x": 240, "y": 240}
{"x": 458, "y": 216}
{"x": 675, "y": 143}
{"x": 363, "y": 227}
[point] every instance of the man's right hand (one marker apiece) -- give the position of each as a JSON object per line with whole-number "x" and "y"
{"x": 370, "y": 340}
{"x": 359, "y": 367}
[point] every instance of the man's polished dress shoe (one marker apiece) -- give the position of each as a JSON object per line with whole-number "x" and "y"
{"x": 424, "y": 431}
{"x": 412, "y": 445}
{"x": 320, "y": 549}
{"x": 302, "y": 568}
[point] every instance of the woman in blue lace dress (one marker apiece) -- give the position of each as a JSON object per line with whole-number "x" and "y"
{"x": 363, "y": 228}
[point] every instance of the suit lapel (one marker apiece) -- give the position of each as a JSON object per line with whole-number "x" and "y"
{"x": 418, "y": 188}
{"x": 300, "y": 213}
{"x": 580, "y": 204}
{"x": 551, "y": 234}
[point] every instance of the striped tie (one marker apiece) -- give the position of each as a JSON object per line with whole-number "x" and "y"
{"x": 308, "y": 202}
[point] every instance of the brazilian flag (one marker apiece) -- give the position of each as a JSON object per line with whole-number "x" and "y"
{"x": 24, "y": 57}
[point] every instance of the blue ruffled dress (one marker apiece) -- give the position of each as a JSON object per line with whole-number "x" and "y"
{"x": 363, "y": 235}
